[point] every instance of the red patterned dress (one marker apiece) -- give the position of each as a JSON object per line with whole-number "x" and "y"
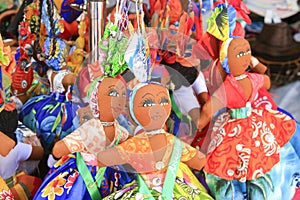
{"x": 245, "y": 142}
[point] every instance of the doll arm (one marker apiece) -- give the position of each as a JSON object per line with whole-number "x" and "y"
{"x": 202, "y": 98}
{"x": 192, "y": 157}
{"x": 7, "y": 144}
{"x": 209, "y": 108}
{"x": 197, "y": 162}
{"x": 267, "y": 82}
{"x": 71, "y": 143}
{"x": 257, "y": 66}
{"x": 68, "y": 80}
{"x": 200, "y": 89}
{"x": 88, "y": 137}
{"x": 60, "y": 149}
{"x": 36, "y": 153}
{"x": 110, "y": 157}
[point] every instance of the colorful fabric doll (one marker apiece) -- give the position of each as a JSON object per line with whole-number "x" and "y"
{"x": 223, "y": 21}
{"x": 12, "y": 152}
{"x": 29, "y": 33}
{"x": 245, "y": 142}
{"x": 71, "y": 177}
{"x": 160, "y": 159}
{"x": 52, "y": 116}
{"x": 79, "y": 53}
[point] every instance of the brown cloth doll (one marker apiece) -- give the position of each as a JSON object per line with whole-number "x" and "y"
{"x": 224, "y": 21}
{"x": 245, "y": 141}
{"x": 22, "y": 186}
{"x": 161, "y": 160}
{"x": 100, "y": 130}
{"x": 107, "y": 102}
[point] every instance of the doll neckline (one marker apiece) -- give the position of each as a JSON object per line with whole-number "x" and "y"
{"x": 155, "y": 132}
{"x": 240, "y": 77}
{"x": 105, "y": 124}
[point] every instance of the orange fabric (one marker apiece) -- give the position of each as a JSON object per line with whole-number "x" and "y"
{"x": 138, "y": 152}
{"x": 28, "y": 187}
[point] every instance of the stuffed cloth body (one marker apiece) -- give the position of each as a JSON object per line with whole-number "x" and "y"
{"x": 51, "y": 116}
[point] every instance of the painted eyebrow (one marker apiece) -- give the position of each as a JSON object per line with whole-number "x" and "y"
{"x": 111, "y": 86}
{"x": 160, "y": 93}
{"x": 120, "y": 87}
{"x": 147, "y": 94}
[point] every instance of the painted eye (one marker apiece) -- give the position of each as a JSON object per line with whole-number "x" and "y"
{"x": 124, "y": 95}
{"x": 164, "y": 101}
{"x": 241, "y": 53}
{"x": 148, "y": 103}
{"x": 24, "y": 84}
{"x": 113, "y": 93}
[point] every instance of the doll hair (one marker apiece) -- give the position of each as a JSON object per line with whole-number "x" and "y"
{"x": 221, "y": 25}
{"x": 224, "y": 55}
{"x": 9, "y": 123}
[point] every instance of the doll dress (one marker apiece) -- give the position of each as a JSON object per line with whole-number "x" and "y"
{"x": 245, "y": 147}
{"x": 255, "y": 156}
{"x": 186, "y": 184}
{"x": 65, "y": 179}
{"x": 51, "y": 116}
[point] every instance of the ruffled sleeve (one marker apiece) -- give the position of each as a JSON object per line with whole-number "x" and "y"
{"x": 90, "y": 136}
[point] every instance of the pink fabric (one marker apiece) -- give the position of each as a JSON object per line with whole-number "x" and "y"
{"x": 233, "y": 95}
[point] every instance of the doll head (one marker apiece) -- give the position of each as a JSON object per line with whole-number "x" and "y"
{"x": 235, "y": 56}
{"x": 108, "y": 99}
{"x": 150, "y": 105}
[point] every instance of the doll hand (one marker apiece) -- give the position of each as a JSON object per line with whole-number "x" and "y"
{"x": 69, "y": 79}
{"x": 254, "y": 62}
{"x": 51, "y": 161}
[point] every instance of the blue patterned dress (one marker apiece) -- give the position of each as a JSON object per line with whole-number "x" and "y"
{"x": 51, "y": 116}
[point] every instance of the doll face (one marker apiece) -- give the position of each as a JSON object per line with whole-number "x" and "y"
{"x": 111, "y": 99}
{"x": 152, "y": 106}
{"x": 239, "y": 55}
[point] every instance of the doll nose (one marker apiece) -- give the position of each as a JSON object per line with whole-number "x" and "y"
{"x": 157, "y": 109}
